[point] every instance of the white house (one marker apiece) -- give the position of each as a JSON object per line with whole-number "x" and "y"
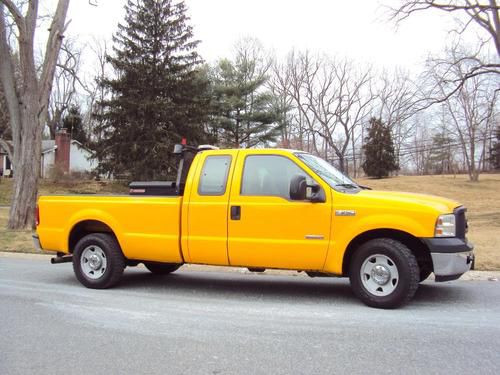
{"x": 69, "y": 154}
{"x": 5, "y": 165}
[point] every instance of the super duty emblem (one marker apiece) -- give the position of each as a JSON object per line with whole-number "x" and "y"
{"x": 345, "y": 213}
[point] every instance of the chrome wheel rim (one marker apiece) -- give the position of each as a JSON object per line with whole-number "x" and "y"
{"x": 93, "y": 262}
{"x": 379, "y": 275}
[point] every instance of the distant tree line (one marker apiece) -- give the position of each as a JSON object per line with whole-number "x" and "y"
{"x": 152, "y": 88}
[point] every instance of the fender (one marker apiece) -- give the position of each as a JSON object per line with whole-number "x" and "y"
{"x": 91, "y": 214}
{"x": 341, "y": 238}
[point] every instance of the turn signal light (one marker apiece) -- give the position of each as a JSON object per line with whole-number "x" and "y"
{"x": 445, "y": 226}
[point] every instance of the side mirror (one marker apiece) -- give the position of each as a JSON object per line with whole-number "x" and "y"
{"x": 298, "y": 188}
{"x": 301, "y": 191}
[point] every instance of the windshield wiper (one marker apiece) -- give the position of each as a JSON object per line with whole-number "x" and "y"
{"x": 352, "y": 186}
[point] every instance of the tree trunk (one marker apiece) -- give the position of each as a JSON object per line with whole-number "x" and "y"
{"x": 27, "y": 170}
{"x": 341, "y": 163}
{"x": 28, "y": 105}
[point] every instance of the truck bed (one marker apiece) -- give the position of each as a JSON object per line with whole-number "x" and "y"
{"x": 146, "y": 227}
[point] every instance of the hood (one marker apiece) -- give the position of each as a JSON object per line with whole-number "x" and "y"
{"x": 395, "y": 198}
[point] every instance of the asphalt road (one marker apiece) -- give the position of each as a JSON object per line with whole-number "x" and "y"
{"x": 232, "y": 323}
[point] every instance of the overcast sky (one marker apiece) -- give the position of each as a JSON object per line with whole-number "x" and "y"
{"x": 358, "y": 29}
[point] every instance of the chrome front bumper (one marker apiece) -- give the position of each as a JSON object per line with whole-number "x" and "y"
{"x": 451, "y": 257}
{"x": 450, "y": 266}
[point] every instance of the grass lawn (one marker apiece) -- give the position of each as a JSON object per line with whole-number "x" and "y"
{"x": 20, "y": 241}
{"x": 65, "y": 187}
{"x": 482, "y": 200}
{"x": 13, "y": 240}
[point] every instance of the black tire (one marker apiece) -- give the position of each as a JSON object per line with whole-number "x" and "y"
{"x": 162, "y": 268}
{"x": 401, "y": 289}
{"x": 107, "y": 249}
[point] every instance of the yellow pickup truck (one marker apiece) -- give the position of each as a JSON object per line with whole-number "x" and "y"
{"x": 259, "y": 209}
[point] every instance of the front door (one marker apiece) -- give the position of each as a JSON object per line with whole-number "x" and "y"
{"x": 266, "y": 228}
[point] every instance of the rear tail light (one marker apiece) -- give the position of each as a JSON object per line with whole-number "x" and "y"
{"x": 37, "y": 215}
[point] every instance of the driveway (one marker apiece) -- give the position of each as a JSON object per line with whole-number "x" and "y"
{"x": 194, "y": 322}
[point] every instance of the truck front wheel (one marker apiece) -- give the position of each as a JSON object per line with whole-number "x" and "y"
{"x": 384, "y": 273}
{"x": 98, "y": 262}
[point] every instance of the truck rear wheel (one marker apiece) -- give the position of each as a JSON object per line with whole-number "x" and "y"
{"x": 98, "y": 262}
{"x": 161, "y": 268}
{"x": 384, "y": 273}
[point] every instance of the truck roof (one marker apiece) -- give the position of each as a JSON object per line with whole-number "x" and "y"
{"x": 255, "y": 151}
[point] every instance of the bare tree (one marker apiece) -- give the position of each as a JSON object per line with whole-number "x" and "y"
{"x": 327, "y": 102}
{"x": 339, "y": 97}
{"x": 297, "y": 69}
{"x": 483, "y": 13}
{"x": 416, "y": 151}
{"x": 471, "y": 109}
{"x": 96, "y": 92}
{"x": 397, "y": 103}
{"x": 28, "y": 102}
{"x": 66, "y": 82}
{"x": 286, "y": 84}
{"x": 279, "y": 84}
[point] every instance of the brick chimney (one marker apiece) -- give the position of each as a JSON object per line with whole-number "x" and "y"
{"x": 63, "y": 143}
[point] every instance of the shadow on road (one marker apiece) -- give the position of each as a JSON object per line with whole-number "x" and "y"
{"x": 249, "y": 286}
{"x": 272, "y": 287}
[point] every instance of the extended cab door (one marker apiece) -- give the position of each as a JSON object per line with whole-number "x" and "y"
{"x": 268, "y": 229}
{"x": 208, "y": 206}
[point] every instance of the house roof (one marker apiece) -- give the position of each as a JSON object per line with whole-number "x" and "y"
{"x": 2, "y": 150}
{"x": 48, "y": 146}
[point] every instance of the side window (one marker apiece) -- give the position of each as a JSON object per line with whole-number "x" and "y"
{"x": 269, "y": 175}
{"x": 214, "y": 174}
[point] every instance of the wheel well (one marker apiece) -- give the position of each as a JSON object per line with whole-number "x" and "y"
{"x": 417, "y": 247}
{"x": 83, "y": 228}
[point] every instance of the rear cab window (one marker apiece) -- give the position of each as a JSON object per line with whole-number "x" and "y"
{"x": 213, "y": 178}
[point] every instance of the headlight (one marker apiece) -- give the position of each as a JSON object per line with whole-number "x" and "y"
{"x": 445, "y": 226}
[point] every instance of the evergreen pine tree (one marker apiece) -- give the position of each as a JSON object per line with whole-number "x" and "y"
{"x": 157, "y": 96}
{"x": 246, "y": 114}
{"x": 440, "y": 155}
{"x": 380, "y": 158}
{"x": 73, "y": 123}
{"x": 495, "y": 150}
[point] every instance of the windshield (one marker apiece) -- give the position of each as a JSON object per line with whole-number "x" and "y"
{"x": 331, "y": 175}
